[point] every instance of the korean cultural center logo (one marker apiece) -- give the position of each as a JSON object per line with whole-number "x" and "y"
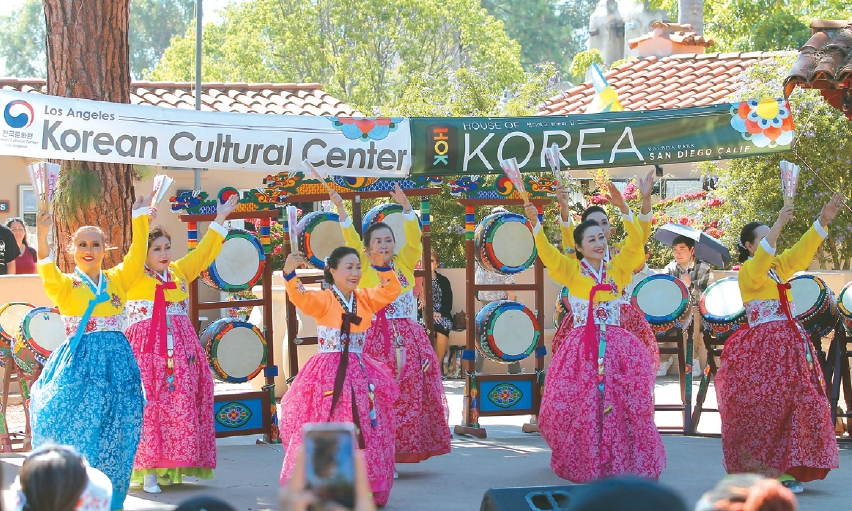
{"x": 18, "y": 114}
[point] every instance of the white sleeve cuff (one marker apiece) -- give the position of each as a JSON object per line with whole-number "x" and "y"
{"x": 646, "y": 218}
{"x": 564, "y": 224}
{"x": 346, "y": 223}
{"x": 144, "y": 210}
{"x": 819, "y": 229}
{"x": 221, "y": 229}
{"x": 410, "y": 215}
{"x": 46, "y": 260}
{"x": 627, "y": 217}
{"x": 769, "y": 249}
{"x": 536, "y": 228}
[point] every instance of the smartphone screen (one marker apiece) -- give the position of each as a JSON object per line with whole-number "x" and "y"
{"x": 329, "y": 465}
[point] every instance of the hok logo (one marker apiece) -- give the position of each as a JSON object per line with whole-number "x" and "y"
{"x": 18, "y": 114}
{"x": 441, "y": 147}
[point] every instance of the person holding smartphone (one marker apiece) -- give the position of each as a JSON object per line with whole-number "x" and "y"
{"x": 340, "y": 383}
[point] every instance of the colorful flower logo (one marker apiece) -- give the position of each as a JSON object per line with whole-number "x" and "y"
{"x": 366, "y": 128}
{"x": 766, "y": 123}
{"x": 505, "y": 395}
{"x": 233, "y": 415}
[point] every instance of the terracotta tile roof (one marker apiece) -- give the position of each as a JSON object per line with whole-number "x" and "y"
{"x": 260, "y": 98}
{"x": 681, "y": 34}
{"x": 825, "y": 63}
{"x": 677, "y": 81}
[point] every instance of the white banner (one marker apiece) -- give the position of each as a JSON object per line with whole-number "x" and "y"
{"x": 41, "y": 126}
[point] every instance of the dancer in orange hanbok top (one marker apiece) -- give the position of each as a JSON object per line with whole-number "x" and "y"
{"x": 398, "y": 340}
{"x": 341, "y": 383}
{"x": 776, "y": 419}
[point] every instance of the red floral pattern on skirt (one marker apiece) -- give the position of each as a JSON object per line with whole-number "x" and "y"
{"x": 422, "y": 414}
{"x": 776, "y": 418}
{"x": 177, "y": 426}
{"x": 627, "y": 442}
{"x": 306, "y": 401}
{"x": 632, "y": 320}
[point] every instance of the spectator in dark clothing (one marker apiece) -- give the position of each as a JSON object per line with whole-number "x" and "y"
{"x": 8, "y": 251}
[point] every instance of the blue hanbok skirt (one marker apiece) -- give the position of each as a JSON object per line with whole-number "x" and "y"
{"x": 92, "y": 400}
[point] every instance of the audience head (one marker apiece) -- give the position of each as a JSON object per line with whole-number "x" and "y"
{"x": 56, "y": 478}
{"x": 204, "y": 503}
{"x": 623, "y": 493}
{"x": 18, "y": 227}
{"x": 747, "y": 492}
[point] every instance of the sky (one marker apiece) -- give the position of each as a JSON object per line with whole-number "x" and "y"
{"x": 210, "y": 7}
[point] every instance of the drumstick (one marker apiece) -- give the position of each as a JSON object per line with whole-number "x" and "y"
{"x": 317, "y": 175}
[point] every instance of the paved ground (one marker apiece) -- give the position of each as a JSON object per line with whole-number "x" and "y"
{"x": 247, "y": 474}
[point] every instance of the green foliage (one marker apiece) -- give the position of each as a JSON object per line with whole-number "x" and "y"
{"x": 761, "y": 25}
{"x": 583, "y": 61}
{"x": 751, "y": 186}
{"x": 547, "y": 30}
{"x": 366, "y": 52}
{"x": 22, "y": 41}
{"x": 152, "y": 25}
{"x": 76, "y": 191}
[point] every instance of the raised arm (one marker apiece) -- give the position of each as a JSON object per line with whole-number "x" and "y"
{"x": 632, "y": 253}
{"x": 193, "y": 263}
{"x": 753, "y": 272}
{"x": 313, "y": 303}
{"x": 561, "y": 268}
{"x": 56, "y": 284}
{"x": 566, "y": 221}
{"x": 133, "y": 265}
{"x": 799, "y": 256}
{"x": 387, "y": 290}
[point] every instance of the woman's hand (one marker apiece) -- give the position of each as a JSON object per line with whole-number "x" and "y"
{"x": 784, "y": 216}
{"x": 223, "y": 210}
{"x": 400, "y": 198}
{"x": 141, "y": 202}
{"x": 337, "y": 200}
{"x": 378, "y": 259}
{"x": 437, "y": 317}
{"x": 646, "y": 188}
{"x": 43, "y": 222}
{"x": 829, "y": 211}
{"x": 294, "y": 260}
{"x": 296, "y": 498}
{"x": 152, "y": 214}
{"x": 562, "y": 199}
{"x": 616, "y": 199}
{"x": 531, "y": 213}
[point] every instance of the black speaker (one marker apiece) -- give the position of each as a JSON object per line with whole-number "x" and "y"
{"x": 529, "y": 498}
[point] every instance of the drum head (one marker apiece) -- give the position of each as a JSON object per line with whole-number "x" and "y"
{"x": 43, "y": 330}
{"x": 504, "y": 243}
{"x": 808, "y": 294}
{"x": 506, "y": 331}
{"x": 662, "y": 298}
{"x": 845, "y": 301}
{"x": 11, "y": 315}
{"x": 320, "y": 234}
{"x": 236, "y": 349}
{"x": 722, "y": 301}
{"x": 513, "y": 243}
{"x": 240, "y": 263}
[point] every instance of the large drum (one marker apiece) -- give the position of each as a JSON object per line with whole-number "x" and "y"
{"x": 41, "y": 331}
{"x": 11, "y": 315}
{"x": 562, "y": 309}
{"x": 844, "y": 305}
{"x": 504, "y": 243}
{"x": 664, "y": 300}
{"x": 816, "y": 306}
{"x": 239, "y": 265}
{"x": 506, "y": 331}
{"x": 319, "y": 234}
{"x": 721, "y": 306}
{"x": 390, "y": 214}
{"x": 236, "y": 350}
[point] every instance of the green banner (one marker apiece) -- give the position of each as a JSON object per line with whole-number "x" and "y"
{"x": 476, "y": 145}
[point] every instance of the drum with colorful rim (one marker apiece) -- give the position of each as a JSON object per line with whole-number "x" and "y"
{"x": 236, "y": 350}
{"x": 664, "y": 300}
{"x": 844, "y": 305}
{"x": 39, "y": 334}
{"x": 390, "y": 214}
{"x": 562, "y": 308}
{"x": 319, "y": 234}
{"x": 11, "y": 315}
{"x": 721, "y": 306}
{"x": 239, "y": 265}
{"x": 504, "y": 243}
{"x": 816, "y": 307}
{"x": 506, "y": 331}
